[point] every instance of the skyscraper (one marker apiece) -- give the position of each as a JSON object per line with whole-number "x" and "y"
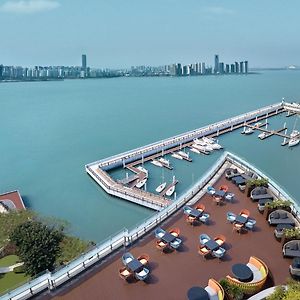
{"x": 83, "y": 62}
{"x": 1, "y": 71}
{"x": 216, "y": 69}
{"x": 241, "y": 67}
{"x": 246, "y": 66}
{"x": 236, "y": 67}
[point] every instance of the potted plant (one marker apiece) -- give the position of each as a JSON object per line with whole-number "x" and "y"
{"x": 232, "y": 292}
{"x": 290, "y": 234}
{"x": 253, "y": 183}
{"x": 277, "y": 204}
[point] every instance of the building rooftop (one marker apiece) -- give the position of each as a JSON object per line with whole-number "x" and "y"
{"x": 174, "y": 273}
{"x": 12, "y": 200}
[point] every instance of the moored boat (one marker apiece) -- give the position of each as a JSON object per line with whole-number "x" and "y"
{"x": 161, "y": 187}
{"x": 156, "y": 163}
{"x": 170, "y": 191}
{"x": 262, "y": 135}
{"x": 164, "y": 161}
{"x": 293, "y": 142}
{"x": 141, "y": 183}
{"x": 184, "y": 154}
{"x": 176, "y": 155}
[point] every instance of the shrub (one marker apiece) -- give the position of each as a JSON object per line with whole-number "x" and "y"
{"x": 258, "y": 182}
{"x": 279, "y": 203}
{"x": 292, "y": 234}
{"x": 19, "y": 269}
{"x": 233, "y": 291}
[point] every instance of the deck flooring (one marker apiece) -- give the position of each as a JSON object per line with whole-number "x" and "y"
{"x": 174, "y": 273}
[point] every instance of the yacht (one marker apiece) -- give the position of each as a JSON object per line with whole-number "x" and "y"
{"x": 248, "y": 131}
{"x": 141, "y": 183}
{"x": 262, "y": 135}
{"x": 142, "y": 169}
{"x": 156, "y": 163}
{"x": 164, "y": 161}
{"x": 170, "y": 191}
{"x": 161, "y": 187}
{"x": 195, "y": 150}
{"x": 295, "y": 133}
{"x": 203, "y": 148}
{"x": 176, "y": 155}
{"x": 200, "y": 142}
{"x": 293, "y": 142}
{"x": 183, "y": 154}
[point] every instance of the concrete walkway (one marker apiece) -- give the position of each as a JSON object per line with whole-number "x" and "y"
{"x": 10, "y": 268}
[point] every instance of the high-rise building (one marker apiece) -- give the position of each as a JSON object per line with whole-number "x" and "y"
{"x": 216, "y": 69}
{"x": 227, "y": 69}
{"x": 232, "y": 68}
{"x": 178, "y": 70}
{"x": 1, "y": 71}
{"x": 236, "y": 67}
{"x": 203, "y": 69}
{"x": 246, "y": 67}
{"x": 83, "y": 62}
{"x": 221, "y": 68}
{"x": 241, "y": 67}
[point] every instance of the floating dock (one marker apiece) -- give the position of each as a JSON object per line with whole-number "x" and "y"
{"x": 98, "y": 169}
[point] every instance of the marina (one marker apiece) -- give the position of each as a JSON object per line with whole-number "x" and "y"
{"x": 156, "y": 153}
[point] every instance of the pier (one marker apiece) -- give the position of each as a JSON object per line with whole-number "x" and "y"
{"x": 98, "y": 169}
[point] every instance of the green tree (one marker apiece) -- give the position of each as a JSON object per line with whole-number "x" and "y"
{"x": 37, "y": 246}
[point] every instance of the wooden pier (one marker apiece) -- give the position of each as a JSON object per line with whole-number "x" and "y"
{"x": 98, "y": 169}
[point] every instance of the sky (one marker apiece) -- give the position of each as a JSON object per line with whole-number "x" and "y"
{"x": 123, "y": 33}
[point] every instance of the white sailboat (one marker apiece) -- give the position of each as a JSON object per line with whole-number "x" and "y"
{"x": 295, "y": 136}
{"x": 164, "y": 161}
{"x": 161, "y": 187}
{"x": 156, "y": 163}
{"x": 184, "y": 154}
{"x": 170, "y": 191}
{"x": 141, "y": 183}
{"x": 176, "y": 155}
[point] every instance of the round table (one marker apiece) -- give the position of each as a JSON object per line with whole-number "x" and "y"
{"x": 197, "y": 293}
{"x": 242, "y": 272}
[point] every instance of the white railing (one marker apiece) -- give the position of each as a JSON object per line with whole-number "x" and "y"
{"x": 123, "y": 238}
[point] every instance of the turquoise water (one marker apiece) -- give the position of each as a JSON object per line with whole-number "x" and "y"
{"x": 50, "y": 130}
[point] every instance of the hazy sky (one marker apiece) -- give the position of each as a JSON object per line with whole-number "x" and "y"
{"x": 117, "y": 33}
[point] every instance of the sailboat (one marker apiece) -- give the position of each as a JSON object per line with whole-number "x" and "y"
{"x": 171, "y": 189}
{"x": 263, "y": 134}
{"x": 162, "y": 186}
{"x": 295, "y": 136}
{"x": 141, "y": 183}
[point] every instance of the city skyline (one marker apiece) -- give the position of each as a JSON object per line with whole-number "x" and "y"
{"x": 115, "y": 34}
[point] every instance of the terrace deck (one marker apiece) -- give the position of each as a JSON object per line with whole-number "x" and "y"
{"x": 15, "y": 197}
{"x": 174, "y": 273}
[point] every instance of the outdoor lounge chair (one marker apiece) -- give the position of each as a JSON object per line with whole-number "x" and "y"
{"x": 200, "y": 207}
{"x": 144, "y": 259}
{"x": 291, "y": 249}
{"x": 230, "y": 172}
{"x": 142, "y": 275}
{"x": 125, "y": 274}
{"x": 262, "y": 203}
{"x": 219, "y": 253}
{"x": 245, "y": 213}
{"x": 229, "y": 196}
{"x": 281, "y": 216}
{"x": 187, "y": 210}
{"x": 126, "y": 258}
{"x": 250, "y": 224}
{"x": 175, "y": 231}
{"x": 191, "y": 220}
{"x": 295, "y": 267}
{"x": 159, "y": 233}
{"x": 203, "y": 251}
{"x": 237, "y": 227}
{"x": 223, "y": 188}
{"x": 215, "y": 290}
{"x": 230, "y": 217}
{"x": 220, "y": 239}
{"x": 203, "y": 238}
{"x": 160, "y": 245}
{"x": 176, "y": 243}
{"x": 204, "y": 218}
{"x": 260, "y": 192}
{"x": 211, "y": 190}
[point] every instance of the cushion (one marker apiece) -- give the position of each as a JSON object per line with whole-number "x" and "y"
{"x": 293, "y": 246}
{"x": 211, "y": 292}
{"x": 276, "y": 215}
{"x": 263, "y": 272}
{"x": 257, "y": 276}
{"x": 283, "y": 215}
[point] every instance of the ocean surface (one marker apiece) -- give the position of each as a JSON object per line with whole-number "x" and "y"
{"x": 50, "y": 130}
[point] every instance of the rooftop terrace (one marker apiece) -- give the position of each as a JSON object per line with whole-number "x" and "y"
{"x": 174, "y": 273}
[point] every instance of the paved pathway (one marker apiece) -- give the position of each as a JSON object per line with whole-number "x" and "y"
{"x": 10, "y": 268}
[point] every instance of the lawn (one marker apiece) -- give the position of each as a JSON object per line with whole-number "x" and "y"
{"x": 9, "y": 260}
{"x": 11, "y": 280}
